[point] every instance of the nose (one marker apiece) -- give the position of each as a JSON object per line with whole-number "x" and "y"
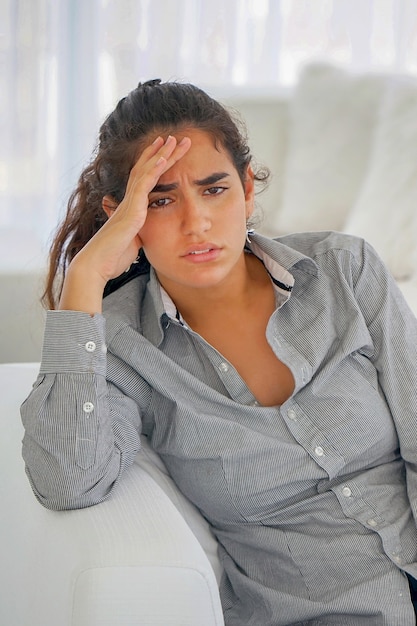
{"x": 194, "y": 217}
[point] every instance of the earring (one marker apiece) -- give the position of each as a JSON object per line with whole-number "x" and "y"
{"x": 249, "y": 231}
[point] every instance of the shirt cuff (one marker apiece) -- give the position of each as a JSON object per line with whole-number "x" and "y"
{"x": 74, "y": 342}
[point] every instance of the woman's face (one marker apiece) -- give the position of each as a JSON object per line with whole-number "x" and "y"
{"x": 195, "y": 229}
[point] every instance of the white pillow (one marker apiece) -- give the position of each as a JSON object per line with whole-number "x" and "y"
{"x": 332, "y": 120}
{"x": 385, "y": 211}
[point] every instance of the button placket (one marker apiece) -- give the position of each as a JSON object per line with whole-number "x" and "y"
{"x": 311, "y": 438}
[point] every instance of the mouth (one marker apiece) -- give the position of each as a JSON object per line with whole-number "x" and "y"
{"x": 202, "y": 253}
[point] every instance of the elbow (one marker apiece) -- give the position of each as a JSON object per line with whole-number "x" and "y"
{"x": 66, "y": 491}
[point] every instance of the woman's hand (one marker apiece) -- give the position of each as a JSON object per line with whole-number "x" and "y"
{"x": 115, "y": 246}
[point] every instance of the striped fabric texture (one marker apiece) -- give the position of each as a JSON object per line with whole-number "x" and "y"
{"x": 313, "y": 502}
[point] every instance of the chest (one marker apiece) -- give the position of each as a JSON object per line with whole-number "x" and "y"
{"x": 241, "y": 339}
{"x": 268, "y": 378}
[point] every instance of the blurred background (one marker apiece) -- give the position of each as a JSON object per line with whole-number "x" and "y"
{"x": 65, "y": 64}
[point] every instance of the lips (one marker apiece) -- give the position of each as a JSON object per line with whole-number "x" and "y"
{"x": 202, "y": 252}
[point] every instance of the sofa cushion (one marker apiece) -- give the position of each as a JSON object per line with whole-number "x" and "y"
{"x": 332, "y": 121}
{"x": 385, "y": 212}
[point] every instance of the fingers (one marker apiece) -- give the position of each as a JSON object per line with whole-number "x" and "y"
{"x": 115, "y": 245}
{"x": 155, "y": 159}
{"x": 152, "y": 163}
{"x": 172, "y": 151}
{"x": 160, "y": 156}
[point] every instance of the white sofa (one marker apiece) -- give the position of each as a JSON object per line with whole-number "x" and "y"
{"x": 131, "y": 561}
{"x": 343, "y": 152}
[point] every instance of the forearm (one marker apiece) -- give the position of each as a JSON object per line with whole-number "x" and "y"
{"x": 82, "y": 289}
{"x": 72, "y": 455}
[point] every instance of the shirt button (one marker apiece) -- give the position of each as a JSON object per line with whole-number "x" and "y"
{"x": 88, "y": 407}
{"x": 347, "y": 492}
{"x": 372, "y": 522}
{"x": 292, "y": 414}
{"x": 318, "y": 450}
{"x": 90, "y": 346}
{"x": 223, "y": 367}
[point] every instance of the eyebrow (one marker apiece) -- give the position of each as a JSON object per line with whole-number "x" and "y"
{"x": 209, "y": 180}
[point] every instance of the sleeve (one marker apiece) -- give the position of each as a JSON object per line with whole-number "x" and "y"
{"x": 80, "y": 430}
{"x": 393, "y": 328}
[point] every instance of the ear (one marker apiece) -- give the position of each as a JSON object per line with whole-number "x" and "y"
{"x": 249, "y": 188}
{"x": 109, "y": 205}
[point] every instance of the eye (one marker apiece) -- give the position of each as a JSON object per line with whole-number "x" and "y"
{"x": 214, "y": 191}
{"x": 159, "y": 203}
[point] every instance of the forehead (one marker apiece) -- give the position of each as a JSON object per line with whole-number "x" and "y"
{"x": 204, "y": 156}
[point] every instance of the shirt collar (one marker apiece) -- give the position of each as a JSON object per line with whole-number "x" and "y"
{"x": 277, "y": 256}
{"x": 169, "y": 306}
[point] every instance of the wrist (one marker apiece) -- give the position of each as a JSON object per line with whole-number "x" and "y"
{"x": 82, "y": 289}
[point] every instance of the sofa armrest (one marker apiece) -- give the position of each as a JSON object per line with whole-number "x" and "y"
{"x": 130, "y": 560}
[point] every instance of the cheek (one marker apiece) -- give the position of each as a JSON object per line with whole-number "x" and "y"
{"x": 151, "y": 231}
{"x": 156, "y": 237}
{"x": 240, "y": 215}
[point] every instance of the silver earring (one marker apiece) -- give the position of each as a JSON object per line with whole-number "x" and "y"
{"x": 249, "y": 231}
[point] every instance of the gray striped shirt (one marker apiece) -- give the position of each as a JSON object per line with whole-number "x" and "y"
{"x": 314, "y": 501}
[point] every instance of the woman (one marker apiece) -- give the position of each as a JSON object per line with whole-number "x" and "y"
{"x": 275, "y": 378}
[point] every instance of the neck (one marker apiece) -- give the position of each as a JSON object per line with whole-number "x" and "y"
{"x": 236, "y": 293}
